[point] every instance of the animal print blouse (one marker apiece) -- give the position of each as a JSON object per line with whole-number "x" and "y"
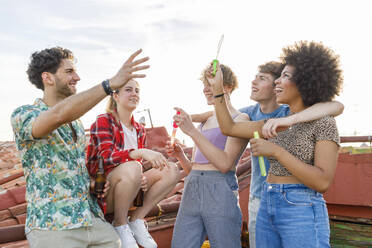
{"x": 300, "y": 140}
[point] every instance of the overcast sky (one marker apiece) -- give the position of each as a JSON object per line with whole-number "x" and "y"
{"x": 181, "y": 38}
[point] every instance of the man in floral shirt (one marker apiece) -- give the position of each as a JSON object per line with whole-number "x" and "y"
{"x": 51, "y": 140}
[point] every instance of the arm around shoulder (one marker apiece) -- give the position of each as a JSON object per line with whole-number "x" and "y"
{"x": 242, "y": 127}
{"x": 318, "y": 111}
{"x": 203, "y": 117}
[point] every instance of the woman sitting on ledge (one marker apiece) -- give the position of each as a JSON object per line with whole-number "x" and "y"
{"x": 120, "y": 141}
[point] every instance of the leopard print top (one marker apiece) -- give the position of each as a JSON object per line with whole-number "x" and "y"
{"x": 300, "y": 140}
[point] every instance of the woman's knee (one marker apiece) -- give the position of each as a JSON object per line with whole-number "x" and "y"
{"x": 129, "y": 171}
{"x": 172, "y": 172}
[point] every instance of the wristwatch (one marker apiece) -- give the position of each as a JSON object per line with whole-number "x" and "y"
{"x": 106, "y": 87}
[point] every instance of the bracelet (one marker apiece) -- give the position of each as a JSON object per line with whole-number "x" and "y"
{"x": 217, "y": 96}
{"x": 106, "y": 87}
{"x": 161, "y": 211}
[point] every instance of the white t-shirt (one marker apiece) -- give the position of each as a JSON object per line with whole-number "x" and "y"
{"x": 130, "y": 138}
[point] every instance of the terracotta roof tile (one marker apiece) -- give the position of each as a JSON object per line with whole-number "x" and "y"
{"x": 18, "y": 194}
{"x": 12, "y": 233}
{"x": 5, "y": 214}
{"x": 20, "y": 181}
{"x": 18, "y": 209}
{"x": 21, "y": 218}
{"x": 6, "y": 200}
{"x": 8, "y": 222}
{"x": 10, "y": 174}
{"x": 17, "y": 244}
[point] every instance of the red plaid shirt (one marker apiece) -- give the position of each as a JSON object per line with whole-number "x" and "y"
{"x": 107, "y": 141}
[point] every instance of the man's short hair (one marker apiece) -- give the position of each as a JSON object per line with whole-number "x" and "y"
{"x": 273, "y": 68}
{"x": 47, "y": 60}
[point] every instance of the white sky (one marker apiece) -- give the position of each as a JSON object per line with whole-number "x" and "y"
{"x": 181, "y": 39}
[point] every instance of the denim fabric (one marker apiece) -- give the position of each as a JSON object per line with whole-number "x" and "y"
{"x": 253, "y": 206}
{"x": 210, "y": 207}
{"x": 292, "y": 215}
{"x": 255, "y": 114}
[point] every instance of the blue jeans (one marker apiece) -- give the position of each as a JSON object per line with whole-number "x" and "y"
{"x": 292, "y": 215}
{"x": 209, "y": 206}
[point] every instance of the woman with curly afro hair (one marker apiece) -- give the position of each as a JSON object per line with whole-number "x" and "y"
{"x": 303, "y": 157}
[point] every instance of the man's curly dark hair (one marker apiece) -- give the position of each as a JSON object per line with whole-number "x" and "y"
{"x": 47, "y": 60}
{"x": 317, "y": 71}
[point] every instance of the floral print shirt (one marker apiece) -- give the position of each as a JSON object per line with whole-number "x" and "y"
{"x": 57, "y": 180}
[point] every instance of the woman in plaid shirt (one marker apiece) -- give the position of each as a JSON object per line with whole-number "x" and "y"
{"x": 120, "y": 141}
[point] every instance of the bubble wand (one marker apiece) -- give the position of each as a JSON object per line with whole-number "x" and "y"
{"x": 261, "y": 160}
{"x": 175, "y": 126}
{"x": 215, "y": 61}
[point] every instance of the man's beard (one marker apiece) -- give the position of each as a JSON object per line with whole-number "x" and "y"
{"x": 64, "y": 90}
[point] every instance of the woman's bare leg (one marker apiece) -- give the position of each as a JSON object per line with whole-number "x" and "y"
{"x": 125, "y": 181}
{"x": 160, "y": 183}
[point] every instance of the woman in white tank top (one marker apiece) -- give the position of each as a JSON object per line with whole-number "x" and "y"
{"x": 120, "y": 140}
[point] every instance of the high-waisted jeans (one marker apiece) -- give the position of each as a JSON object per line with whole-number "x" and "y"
{"x": 292, "y": 215}
{"x": 210, "y": 207}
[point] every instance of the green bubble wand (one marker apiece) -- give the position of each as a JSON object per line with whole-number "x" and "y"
{"x": 215, "y": 61}
{"x": 261, "y": 160}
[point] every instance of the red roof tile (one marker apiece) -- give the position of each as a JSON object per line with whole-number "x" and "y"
{"x": 17, "y": 244}
{"x": 12, "y": 233}
{"x": 8, "y": 222}
{"x": 19, "y": 209}
{"x": 5, "y": 214}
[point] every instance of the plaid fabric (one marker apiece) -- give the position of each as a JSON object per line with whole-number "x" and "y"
{"x": 107, "y": 141}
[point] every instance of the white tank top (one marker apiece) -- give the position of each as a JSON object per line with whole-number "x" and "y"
{"x": 130, "y": 138}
